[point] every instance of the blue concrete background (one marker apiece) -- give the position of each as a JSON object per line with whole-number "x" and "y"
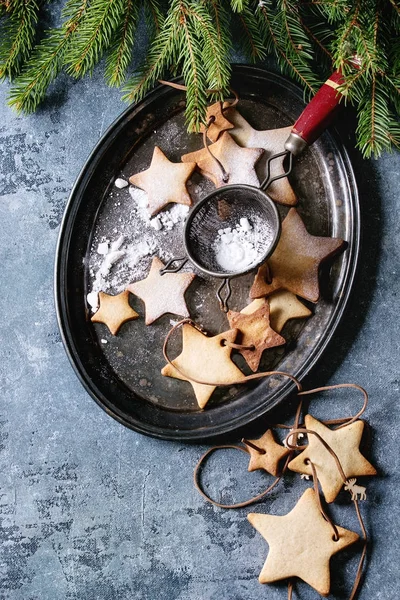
{"x": 92, "y": 511}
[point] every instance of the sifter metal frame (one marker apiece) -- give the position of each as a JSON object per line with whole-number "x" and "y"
{"x": 196, "y": 208}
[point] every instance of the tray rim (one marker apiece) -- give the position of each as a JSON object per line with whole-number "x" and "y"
{"x": 67, "y": 225}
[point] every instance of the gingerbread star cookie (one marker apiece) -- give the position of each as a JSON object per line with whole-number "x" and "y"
{"x": 220, "y": 123}
{"x": 345, "y": 443}
{"x": 273, "y": 142}
{"x": 283, "y": 306}
{"x": 114, "y": 311}
{"x": 294, "y": 265}
{"x": 206, "y": 359}
{"x": 238, "y": 162}
{"x": 255, "y": 331}
{"x": 300, "y": 544}
{"x": 164, "y": 181}
{"x": 269, "y": 455}
{"x": 162, "y": 293}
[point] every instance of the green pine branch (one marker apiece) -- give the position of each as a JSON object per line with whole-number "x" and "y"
{"x": 188, "y": 40}
{"x": 293, "y": 53}
{"x": 120, "y": 52}
{"x": 195, "y": 38}
{"x": 162, "y": 53}
{"x": 18, "y": 33}
{"x": 215, "y": 50}
{"x": 154, "y": 16}
{"x": 376, "y": 125}
{"x": 94, "y": 36}
{"x": 250, "y": 36}
{"x": 46, "y": 61}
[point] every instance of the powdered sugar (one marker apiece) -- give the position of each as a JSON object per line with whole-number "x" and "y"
{"x": 240, "y": 247}
{"x": 120, "y": 183}
{"x": 117, "y": 262}
{"x": 166, "y": 219}
{"x": 128, "y": 255}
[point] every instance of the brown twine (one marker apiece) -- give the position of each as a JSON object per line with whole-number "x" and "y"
{"x": 318, "y": 498}
{"x": 251, "y": 445}
{"x": 323, "y": 442}
{"x": 225, "y": 174}
{"x": 229, "y": 104}
{"x": 246, "y": 378}
{"x": 258, "y": 497}
{"x": 358, "y": 576}
{"x": 183, "y": 88}
{"x": 339, "y": 422}
{"x": 361, "y": 562}
{"x": 348, "y": 420}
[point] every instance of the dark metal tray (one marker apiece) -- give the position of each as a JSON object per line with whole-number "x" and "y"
{"x": 123, "y": 375}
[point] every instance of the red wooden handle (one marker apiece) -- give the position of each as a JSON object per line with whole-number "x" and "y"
{"x": 319, "y": 113}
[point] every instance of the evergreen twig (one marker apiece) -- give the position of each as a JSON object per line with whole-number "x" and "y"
{"x": 195, "y": 38}
{"x": 46, "y": 62}
{"x": 120, "y": 52}
{"x": 94, "y": 36}
{"x": 17, "y": 35}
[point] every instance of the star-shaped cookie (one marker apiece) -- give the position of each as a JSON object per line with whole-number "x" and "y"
{"x": 162, "y": 293}
{"x": 283, "y": 306}
{"x": 272, "y": 456}
{"x": 220, "y": 124}
{"x": 238, "y": 162}
{"x": 345, "y": 443}
{"x": 255, "y": 330}
{"x": 206, "y": 359}
{"x": 114, "y": 311}
{"x": 294, "y": 265}
{"x": 273, "y": 142}
{"x": 164, "y": 181}
{"x": 300, "y": 544}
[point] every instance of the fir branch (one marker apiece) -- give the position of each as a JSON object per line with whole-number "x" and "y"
{"x": 194, "y": 74}
{"x": 377, "y": 129}
{"x": 195, "y": 37}
{"x": 120, "y": 52}
{"x": 188, "y": 39}
{"x": 162, "y": 53}
{"x": 318, "y": 33}
{"x": 94, "y": 36}
{"x": 395, "y": 6}
{"x": 332, "y": 10}
{"x": 17, "y": 37}
{"x": 251, "y": 38}
{"x": 216, "y": 47}
{"x": 342, "y": 48}
{"x": 154, "y": 16}
{"x": 46, "y": 61}
{"x": 237, "y": 5}
{"x": 219, "y": 15}
{"x": 290, "y": 59}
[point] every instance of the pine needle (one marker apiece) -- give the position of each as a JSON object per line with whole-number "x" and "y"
{"x": 120, "y": 53}
{"x": 17, "y": 36}
{"x": 46, "y": 61}
{"x": 195, "y": 38}
{"x": 94, "y": 36}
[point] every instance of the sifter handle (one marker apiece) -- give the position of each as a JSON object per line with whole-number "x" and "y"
{"x": 316, "y": 116}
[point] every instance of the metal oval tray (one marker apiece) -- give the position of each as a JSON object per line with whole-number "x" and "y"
{"x": 123, "y": 375}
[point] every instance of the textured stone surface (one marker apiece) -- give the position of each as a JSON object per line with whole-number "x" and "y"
{"x": 92, "y": 511}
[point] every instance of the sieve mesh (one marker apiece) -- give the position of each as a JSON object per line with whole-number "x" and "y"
{"x": 223, "y": 210}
